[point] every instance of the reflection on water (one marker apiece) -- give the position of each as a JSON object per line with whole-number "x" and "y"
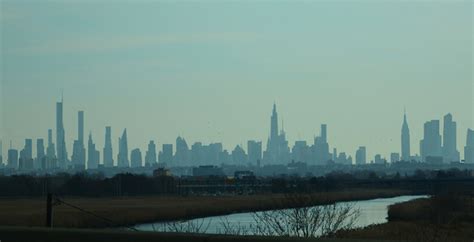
{"x": 371, "y": 212}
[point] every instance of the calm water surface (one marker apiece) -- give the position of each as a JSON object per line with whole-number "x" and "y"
{"x": 371, "y": 212}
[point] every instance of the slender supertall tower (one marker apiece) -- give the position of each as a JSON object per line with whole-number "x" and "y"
{"x": 60, "y": 136}
{"x": 51, "y": 150}
{"x": 80, "y": 127}
{"x": 79, "y": 151}
{"x": 405, "y": 139}
{"x": 108, "y": 157}
{"x": 274, "y": 124}
{"x": 122, "y": 159}
{"x": 469, "y": 148}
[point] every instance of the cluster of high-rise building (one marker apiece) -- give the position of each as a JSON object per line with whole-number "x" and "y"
{"x": 434, "y": 148}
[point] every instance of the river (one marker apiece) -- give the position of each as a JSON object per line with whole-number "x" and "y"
{"x": 371, "y": 212}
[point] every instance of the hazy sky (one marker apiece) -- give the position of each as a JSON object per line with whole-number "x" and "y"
{"x": 211, "y": 70}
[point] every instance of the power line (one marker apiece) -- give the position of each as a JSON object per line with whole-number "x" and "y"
{"x": 61, "y": 201}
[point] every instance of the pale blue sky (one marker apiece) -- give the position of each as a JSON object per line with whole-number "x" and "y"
{"x": 211, "y": 70}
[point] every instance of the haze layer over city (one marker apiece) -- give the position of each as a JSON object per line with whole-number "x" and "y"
{"x": 185, "y": 71}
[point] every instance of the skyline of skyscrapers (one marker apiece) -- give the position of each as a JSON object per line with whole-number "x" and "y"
{"x": 434, "y": 147}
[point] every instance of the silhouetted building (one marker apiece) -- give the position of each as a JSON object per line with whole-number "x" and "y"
{"x": 136, "y": 158}
{"x": 182, "y": 156}
{"x": 150, "y": 156}
{"x": 60, "y": 136}
{"x": 321, "y": 147}
{"x": 166, "y": 155}
{"x": 51, "y": 161}
{"x": 26, "y": 156}
{"x": 12, "y": 161}
{"x": 238, "y": 156}
{"x": 79, "y": 151}
{"x": 343, "y": 159}
{"x": 1, "y": 153}
{"x": 394, "y": 157}
{"x": 40, "y": 155}
{"x": 50, "y": 151}
{"x": 469, "y": 148}
{"x": 361, "y": 156}
{"x": 206, "y": 171}
{"x": 431, "y": 143}
{"x": 450, "y": 151}
{"x": 107, "y": 151}
{"x": 300, "y": 152}
{"x": 122, "y": 158}
{"x": 93, "y": 155}
{"x": 254, "y": 150}
{"x": 197, "y": 154}
{"x": 277, "y": 151}
{"x": 161, "y": 172}
{"x": 379, "y": 160}
{"x": 405, "y": 139}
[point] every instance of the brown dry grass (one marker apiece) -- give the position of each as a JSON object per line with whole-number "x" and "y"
{"x": 422, "y": 220}
{"x": 134, "y": 210}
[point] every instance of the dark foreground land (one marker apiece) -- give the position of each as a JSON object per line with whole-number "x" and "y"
{"x": 15, "y": 234}
{"x": 135, "y": 210}
{"x": 444, "y": 217}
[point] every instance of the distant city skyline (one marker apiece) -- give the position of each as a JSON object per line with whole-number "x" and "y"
{"x": 437, "y": 145}
{"x": 168, "y": 71}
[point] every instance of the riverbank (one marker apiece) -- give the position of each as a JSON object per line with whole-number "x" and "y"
{"x": 136, "y": 210}
{"x": 444, "y": 218}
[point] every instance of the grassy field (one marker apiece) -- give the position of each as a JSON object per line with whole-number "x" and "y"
{"x": 134, "y": 210}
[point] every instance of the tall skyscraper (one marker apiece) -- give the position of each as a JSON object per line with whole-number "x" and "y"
{"x": 274, "y": 124}
{"x": 361, "y": 155}
{"x": 450, "y": 151}
{"x": 50, "y": 151}
{"x": 321, "y": 147}
{"x": 150, "y": 156}
{"x": 122, "y": 158}
{"x": 79, "y": 151}
{"x": 254, "y": 150}
{"x": 93, "y": 155}
{"x": 136, "y": 158}
{"x": 1, "y": 153}
{"x": 405, "y": 139}
{"x": 26, "y": 156}
{"x": 40, "y": 155}
{"x": 182, "y": 156}
{"x": 166, "y": 155}
{"x": 108, "y": 154}
{"x": 430, "y": 146}
{"x": 80, "y": 126}
{"x": 60, "y": 136}
{"x": 277, "y": 151}
{"x": 469, "y": 148}
{"x": 12, "y": 161}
